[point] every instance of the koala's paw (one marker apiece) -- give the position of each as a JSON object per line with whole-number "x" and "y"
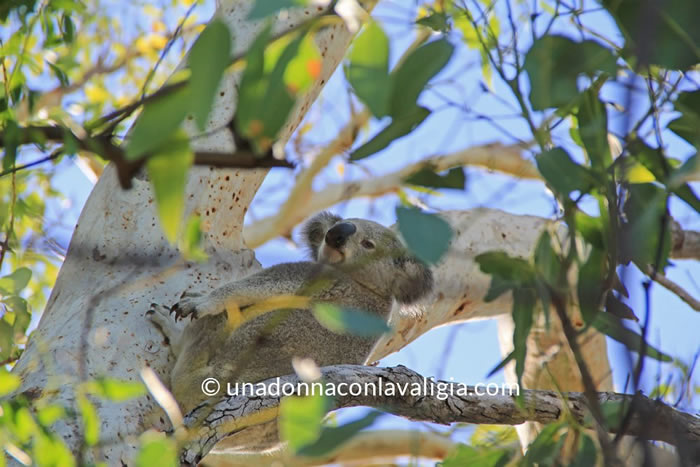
{"x": 193, "y": 304}
{"x": 161, "y": 317}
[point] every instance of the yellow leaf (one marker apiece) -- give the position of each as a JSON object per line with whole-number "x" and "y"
{"x": 119, "y": 50}
{"x": 639, "y": 174}
{"x": 96, "y": 93}
{"x": 8, "y": 383}
{"x": 157, "y": 41}
{"x": 142, "y": 45}
{"x": 152, "y": 11}
{"x": 191, "y": 21}
{"x": 158, "y": 26}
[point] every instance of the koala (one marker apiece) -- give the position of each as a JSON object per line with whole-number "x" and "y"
{"x": 356, "y": 263}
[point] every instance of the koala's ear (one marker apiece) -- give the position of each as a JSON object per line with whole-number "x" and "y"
{"x": 413, "y": 281}
{"x": 315, "y": 230}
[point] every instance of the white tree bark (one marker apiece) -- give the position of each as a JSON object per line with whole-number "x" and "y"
{"x": 119, "y": 262}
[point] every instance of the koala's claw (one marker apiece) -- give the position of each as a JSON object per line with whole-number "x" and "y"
{"x": 187, "y": 306}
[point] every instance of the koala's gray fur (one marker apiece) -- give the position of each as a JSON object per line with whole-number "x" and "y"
{"x": 356, "y": 263}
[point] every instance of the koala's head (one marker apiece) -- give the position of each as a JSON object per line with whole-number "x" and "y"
{"x": 370, "y": 253}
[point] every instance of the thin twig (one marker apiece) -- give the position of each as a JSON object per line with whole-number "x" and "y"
{"x": 675, "y": 288}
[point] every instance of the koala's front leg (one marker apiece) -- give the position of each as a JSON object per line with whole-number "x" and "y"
{"x": 282, "y": 279}
{"x": 198, "y": 305}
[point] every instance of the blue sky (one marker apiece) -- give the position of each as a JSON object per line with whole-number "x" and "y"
{"x": 468, "y": 351}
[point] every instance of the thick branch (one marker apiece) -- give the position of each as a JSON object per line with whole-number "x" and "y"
{"x": 685, "y": 244}
{"x": 439, "y": 402}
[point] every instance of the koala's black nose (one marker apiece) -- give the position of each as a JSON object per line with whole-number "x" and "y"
{"x": 339, "y": 234}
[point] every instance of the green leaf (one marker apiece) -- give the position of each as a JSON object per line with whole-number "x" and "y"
{"x": 6, "y": 339}
{"x": 652, "y": 159}
{"x": 68, "y": 29}
{"x": 11, "y": 139}
{"x": 465, "y": 455}
{"x": 208, "y": 58}
{"x": 49, "y": 449}
{"x": 157, "y": 449}
{"x": 614, "y": 412}
{"x": 62, "y": 78}
{"x": 593, "y": 129}
{"x": 18, "y": 307}
{"x": 554, "y": 63}
{"x": 655, "y": 162}
{"x": 546, "y": 448}
{"x": 264, "y": 8}
{"x": 591, "y": 229}
{"x": 349, "y": 321}
{"x": 587, "y": 454}
{"x": 427, "y": 235}
{"x": 368, "y": 70}
{"x": 8, "y": 382}
{"x": 157, "y": 123}
{"x": 167, "y": 170}
{"x": 191, "y": 242}
{"x": 690, "y": 167}
{"x": 523, "y": 316}
{"x": 547, "y": 261}
{"x": 686, "y": 193}
{"x": 488, "y": 436}
{"x": 399, "y": 126}
{"x": 409, "y": 80}
{"x": 686, "y": 126}
{"x": 507, "y": 272}
{"x": 7, "y": 7}
{"x": 332, "y": 437}
{"x": 300, "y": 419}
{"x": 13, "y": 284}
{"x": 640, "y": 239}
{"x": 304, "y": 68}
{"x": 618, "y": 308}
{"x": 590, "y": 285}
{"x": 501, "y": 365}
{"x": 612, "y": 326}
{"x": 116, "y": 390}
{"x": 265, "y": 100}
{"x": 25, "y": 426}
{"x": 454, "y": 178}
{"x": 562, "y": 173}
{"x": 659, "y": 33}
{"x": 437, "y": 21}
{"x": 91, "y": 420}
{"x": 50, "y": 414}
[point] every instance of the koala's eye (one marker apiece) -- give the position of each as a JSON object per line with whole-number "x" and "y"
{"x": 367, "y": 244}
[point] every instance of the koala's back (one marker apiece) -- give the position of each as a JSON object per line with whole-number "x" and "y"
{"x": 264, "y": 347}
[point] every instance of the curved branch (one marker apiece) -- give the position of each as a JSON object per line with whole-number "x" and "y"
{"x": 437, "y": 402}
{"x": 507, "y": 159}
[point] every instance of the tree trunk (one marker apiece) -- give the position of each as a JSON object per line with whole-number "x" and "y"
{"x": 119, "y": 262}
